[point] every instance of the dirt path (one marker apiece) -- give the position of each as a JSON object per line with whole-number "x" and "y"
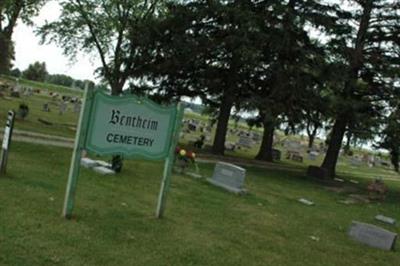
{"x": 37, "y": 138}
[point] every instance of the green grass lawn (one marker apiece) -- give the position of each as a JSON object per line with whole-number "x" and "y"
{"x": 44, "y": 86}
{"x": 203, "y": 225}
{"x": 63, "y": 125}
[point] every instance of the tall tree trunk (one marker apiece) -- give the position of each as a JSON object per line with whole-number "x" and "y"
{"x": 222, "y": 124}
{"x": 117, "y": 87}
{"x": 394, "y": 158}
{"x": 348, "y": 142}
{"x": 356, "y": 63}
{"x": 5, "y": 56}
{"x": 335, "y": 143}
{"x": 265, "y": 152}
{"x": 311, "y": 139}
{"x": 311, "y": 135}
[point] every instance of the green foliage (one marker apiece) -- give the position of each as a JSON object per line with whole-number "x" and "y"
{"x": 60, "y": 79}
{"x": 36, "y": 72}
{"x": 365, "y": 63}
{"x": 390, "y": 138}
{"x": 10, "y": 12}
{"x": 104, "y": 28}
{"x": 15, "y": 72}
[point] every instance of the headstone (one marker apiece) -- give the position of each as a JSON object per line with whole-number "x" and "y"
{"x": 276, "y": 154}
{"x": 355, "y": 161}
{"x": 312, "y": 155}
{"x": 256, "y": 137}
{"x": 245, "y": 142}
{"x": 297, "y": 158}
{"x": 15, "y": 94}
{"x": 46, "y": 107}
{"x": 292, "y": 145}
{"x": 385, "y": 219}
{"x": 63, "y": 107}
{"x": 230, "y": 146}
{"x": 77, "y": 107}
{"x": 372, "y": 235}
{"x": 103, "y": 170}
{"x": 385, "y": 163}
{"x": 229, "y": 177}
{"x": 28, "y": 92}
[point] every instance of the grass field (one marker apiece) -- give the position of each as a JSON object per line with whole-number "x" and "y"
{"x": 43, "y": 86}
{"x": 204, "y": 225}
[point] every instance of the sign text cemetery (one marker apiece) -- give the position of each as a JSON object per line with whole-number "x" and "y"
{"x": 128, "y": 126}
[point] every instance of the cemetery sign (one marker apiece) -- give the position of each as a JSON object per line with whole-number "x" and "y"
{"x": 129, "y": 126}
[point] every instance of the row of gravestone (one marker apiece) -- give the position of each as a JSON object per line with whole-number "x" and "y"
{"x": 62, "y": 107}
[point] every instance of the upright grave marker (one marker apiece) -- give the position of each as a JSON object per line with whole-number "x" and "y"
{"x": 372, "y": 235}
{"x": 229, "y": 177}
{"x": 6, "y": 141}
{"x": 128, "y": 126}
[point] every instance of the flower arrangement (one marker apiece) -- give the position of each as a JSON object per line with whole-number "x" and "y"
{"x": 183, "y": 158}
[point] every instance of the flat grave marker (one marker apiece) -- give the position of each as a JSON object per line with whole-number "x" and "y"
{"x": 306, "y": 201}
{"x": 385, "y": 219}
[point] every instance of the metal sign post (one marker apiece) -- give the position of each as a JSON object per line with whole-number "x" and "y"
{"x": 6, "y": 142}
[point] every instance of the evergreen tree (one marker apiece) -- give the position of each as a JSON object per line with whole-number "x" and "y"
{"x": 367, "y": 63}
{"x": 207, "y": 49}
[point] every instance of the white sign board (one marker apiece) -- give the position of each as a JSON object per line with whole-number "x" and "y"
{"x": 130, "y": 126}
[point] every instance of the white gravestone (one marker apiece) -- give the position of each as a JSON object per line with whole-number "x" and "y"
{"x": 229, "y": 177}
{"x": 372, "y": 235}
{"x": 312, "y": 156}
{"x": 63, "y": 108}
{"x": 385, "y": 219}
{"x": 77, "y": 107}
{"x": 245, "y": 141}
{"x": 292, "y": 145}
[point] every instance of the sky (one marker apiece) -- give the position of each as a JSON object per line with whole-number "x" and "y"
{"x": 28, "y": 50}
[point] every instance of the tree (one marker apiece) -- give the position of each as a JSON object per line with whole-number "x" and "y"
{"x": 10, "y": 12}
{"x": 390, "y": 138}
{"x": 107, "y": 28}
{"x": 206, "y": 49}
{"x": 367, "y": 63}
{"x": 290, "y": 65}
{"x": 60, "y": 79}
{"x": 36, "y": 71}
{"x": 15, "y": 72}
